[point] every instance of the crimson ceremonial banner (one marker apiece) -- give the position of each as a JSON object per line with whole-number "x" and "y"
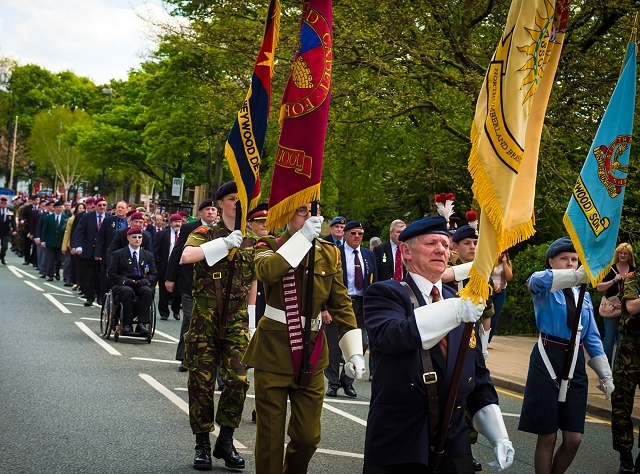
{"x": 303, "y": 117}
{"x": 245, "y": 142}
{"x": 505, "y": 135}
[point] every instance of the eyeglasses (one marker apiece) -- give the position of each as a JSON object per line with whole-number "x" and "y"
{"x": 135, "y": 236}
{"x": 101, "y": 205}
{"x": 357, "y": 233}
{"x": 302, "y": 212}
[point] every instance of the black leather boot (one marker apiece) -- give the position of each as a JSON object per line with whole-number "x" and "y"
{"x": 626, "y": 463}
{"x": 202, "y": 461}
{"x": 226, "y": 450}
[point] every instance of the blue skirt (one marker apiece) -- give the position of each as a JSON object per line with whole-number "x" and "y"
{"x": 542, "y": 413}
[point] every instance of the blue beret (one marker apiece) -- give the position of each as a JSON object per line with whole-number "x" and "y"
{"x": 337, "y": 220}
{"x": 464, "y": 232}
{"x": 353, "y": 225}
{"x": 428, "y": 225}
{"x": 225, "y": 189}
{"x": 205, "y": 203}
{"x": 563, "y": 244}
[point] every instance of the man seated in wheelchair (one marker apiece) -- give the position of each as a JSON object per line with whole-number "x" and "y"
{"x": 132, "y": 273}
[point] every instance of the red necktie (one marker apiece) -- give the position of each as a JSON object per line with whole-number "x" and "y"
{"x": 397, "y": 269}
{"x": 359, "y": 281}
{"x": 99, "y": 221}
{"x": 175, "y": 238}
{"x": 435, "y": 297}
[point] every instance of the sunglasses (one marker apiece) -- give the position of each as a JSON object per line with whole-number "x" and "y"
{"x": 357, "y": 233}
{"x": 135, "y": 236}
{"x": 101, "y": 205}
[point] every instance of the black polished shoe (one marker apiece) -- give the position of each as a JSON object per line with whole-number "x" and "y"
{"x": 176, "y": 316}
{"x": 88, "y": 302}
{"x": 128, "y": 329}
{"x": 331, "y": 392}
{"x": 182, "y": 368}
{"x": 142, "y": 328}
{"x": 202, "y": 460}
{"x": 26, "y": 263}
{"x": 349, "y": 391}
{"x": 44, "y": 276}
{"x": 224, "y": 449}
{"x": 476, "y": 465}
{"x": 164, "y": 318}
{"x": 253, "y": 415}
{"x": 4, "y": 262}
{"x": 58, "y": 277}
{"x": 49, "y": 278}
{"x": 627, "y": 467}
{"x": 68, "y": 284}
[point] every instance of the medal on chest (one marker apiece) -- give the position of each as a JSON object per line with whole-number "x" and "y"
{"x": 472, "y": 341}
{"x": 384, "y": 258}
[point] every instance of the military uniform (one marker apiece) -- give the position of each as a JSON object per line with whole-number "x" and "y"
{"x": 626, "y": 373}
{"x": 269, "y": 353}
{"x": 204, "y": 350}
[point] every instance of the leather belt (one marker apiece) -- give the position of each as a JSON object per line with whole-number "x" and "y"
{"x": 355, "y": 297}
{"x": 278, "y": 315}
{"x": 555, "y": 342}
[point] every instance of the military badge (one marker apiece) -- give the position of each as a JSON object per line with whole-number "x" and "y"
{"x": 384, "y": 258}
{"x": 203, "y": 229}
{"x": 472, "y": 341}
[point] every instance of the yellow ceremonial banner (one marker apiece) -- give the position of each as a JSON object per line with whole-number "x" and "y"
{"x": 507, "y": 127}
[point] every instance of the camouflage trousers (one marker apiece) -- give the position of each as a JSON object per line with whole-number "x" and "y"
{"x": 626, "y": 376}
{"x": 204, "y": 352}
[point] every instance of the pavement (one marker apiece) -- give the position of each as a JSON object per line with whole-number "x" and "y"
{"x": 509, "y": 363}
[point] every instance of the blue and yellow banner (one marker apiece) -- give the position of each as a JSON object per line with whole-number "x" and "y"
{"x": 593, "y": 215}
{"x": 245, "y": 142}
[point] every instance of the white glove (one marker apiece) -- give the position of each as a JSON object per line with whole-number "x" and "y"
{"x": 435, "y": 320}
{"x": 488, "y": 422}
{"x": 251, "y": 311}
{"x": 600, "y": 366}
{"x": 234, "y": 239}
{"x": 484, "y": 340}
{"x": 312, "y": 228}
{"x": 461, "y": 272}
{"x": 355, "y": 367}
{"x": 568, "y": 278}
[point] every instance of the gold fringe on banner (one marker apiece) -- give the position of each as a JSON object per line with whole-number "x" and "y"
{"x": 280, "y": 213}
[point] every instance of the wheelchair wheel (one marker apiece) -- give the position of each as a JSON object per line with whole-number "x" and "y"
{"x": 106, "y": 315}
{"x": 118, "y": 326}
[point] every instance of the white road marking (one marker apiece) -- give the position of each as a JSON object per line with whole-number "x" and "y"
{"x": 62, "y": 294}
{"x": 345, "y": 414}
{"x": 88, "y": 319}
{"x": 33, "y": 285}
{"x": 33, "y": 277}
{"x": 340, "y": 453}
{"x": 58, "y": 288}
{"x": 57, "y": 303}
{"x": 346, "y": 402}
{"x": 15, "y": 271}
{"x": 180, "y": 403}
{"x": 157, "y": 360}
{"x": 171, "y": 338}
{"x": 83, "y": 327}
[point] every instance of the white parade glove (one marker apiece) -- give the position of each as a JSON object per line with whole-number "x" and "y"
{"x": 461, "y": 272}
{"x": 215, "y": 250}
{"x": 351, "y": 344}
{"x": 354, "y": 368}
{"x": 312, "y": 228}
{"x": 600, "y": 366}
{"x": 568, "y": 278}
{"x": 435, "y": 320}
{"x": 484, "y": 340}
{"x": 234, "y": 239}
{"x": 251, "y": 310}
{"x": 488, "y": 422}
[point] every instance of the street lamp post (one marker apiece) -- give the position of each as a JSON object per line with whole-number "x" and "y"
{"x": 109, "y": 93}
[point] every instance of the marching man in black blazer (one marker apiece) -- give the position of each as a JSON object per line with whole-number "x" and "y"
{"x": 164, "y": 244}
{"x": 388, "y": 259}
{"x": 358, "y": 272}
{"x": 133, "y": 273}
{"x": 416, "y": 332}
{"x": 7, "y": 228}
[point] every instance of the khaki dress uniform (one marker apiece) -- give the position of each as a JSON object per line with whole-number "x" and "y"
{"x": 270, "y": 355}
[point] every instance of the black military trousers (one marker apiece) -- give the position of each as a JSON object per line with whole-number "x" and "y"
{"x": 165, "y": 297}
{"x": 4, "y": 244}
{"x": 125, "y": 294}
{"x": 90, "y": 277}
{"x": 458, "y": 465}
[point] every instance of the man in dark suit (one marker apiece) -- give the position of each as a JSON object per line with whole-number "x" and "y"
{"x": 358, "y": 272}
{"x": 179, "y": 277}
{"x": 337, "y": 231}
{"x": 84, "y": 240}
{"x": 133, "y": 273}
{"x": 53, "y": 228}
{"x": 111, "y": 225}
{"x": 165, "y": 242}
{"x": 29, "y": 215}
{"x": 43, "y": 256}
{"x": 416, "y": 332}
{"x": 119, "y": 239}
{"x": 7, "y": 228}
{"x": 388, "y": 259}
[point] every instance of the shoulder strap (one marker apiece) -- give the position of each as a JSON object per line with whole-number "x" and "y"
{"x": 429, "y": 376}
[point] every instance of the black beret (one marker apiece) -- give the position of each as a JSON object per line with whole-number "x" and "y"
{"x": 563, "y": 244}
{"x": 353, "y": 225}
{"x": 58, "y": 203}
{"x": 225, "y": 189}
{"x": 205, "y": 203}
{"x": 260, "y": 212}
{"x": 337, "y": 220}
{"x": 428, "y": 225}
{"x": 464, "y": 232}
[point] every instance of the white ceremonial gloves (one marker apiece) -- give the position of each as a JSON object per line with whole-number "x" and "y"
{"x": 251, "y": 311}
{"x": 234, "y": 239}
{"x": 484, "y": 340}
{"x": 568, "y": 278}
{"x": 461, "y": 272}
{"x": 488, "y": 422}
{"x": 354, "y": 368}
{"x": 600, "y": 366}
{"x": 294, "y": 249}
{"x": 435, "y": 320}
{"x": 312, "y": 228}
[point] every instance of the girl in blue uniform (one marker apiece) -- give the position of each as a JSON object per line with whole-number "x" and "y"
{"x": 554, "y": 299}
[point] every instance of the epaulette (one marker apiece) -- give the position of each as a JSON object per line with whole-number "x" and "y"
{"x": 203, "y": 229}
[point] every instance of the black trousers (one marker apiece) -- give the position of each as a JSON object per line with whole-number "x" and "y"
{"x": 458, "y": 465}
{"x": 54, "y": 262}
{"x": 90, "y": 277}
{"x": 28, "y": 248}
{"x": 165, "y": 297}
{"x": 4, "y": 245}
{"x": 125, "y": 294}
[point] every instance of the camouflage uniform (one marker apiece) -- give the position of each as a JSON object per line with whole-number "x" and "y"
{"x": 204, "y": 350}
{"x": 626, "y": 373}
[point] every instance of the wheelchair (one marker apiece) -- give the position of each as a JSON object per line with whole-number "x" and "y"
{"x": 110, "y": 318}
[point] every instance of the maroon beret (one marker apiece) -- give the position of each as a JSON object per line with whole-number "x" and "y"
{"x": 90, "y": 200}
{"x": 137, "y": 215}
{"x": 183, "y": 213}
{"x": 134, "y": 230}
{"x": 100, "y": 199}
{"x": 175, "y": 217}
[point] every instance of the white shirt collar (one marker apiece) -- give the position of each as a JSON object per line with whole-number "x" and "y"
{"x": 131, "y": 250}
{"x": 425, "y": 286}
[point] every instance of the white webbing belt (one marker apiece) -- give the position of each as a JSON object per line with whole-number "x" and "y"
{"x": 564, "y": 384}
{"x": 278, "y": 315}
{"x": 547, "y": 362}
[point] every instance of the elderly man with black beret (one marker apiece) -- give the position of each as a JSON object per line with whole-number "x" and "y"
{"x": 415, "y": 329}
